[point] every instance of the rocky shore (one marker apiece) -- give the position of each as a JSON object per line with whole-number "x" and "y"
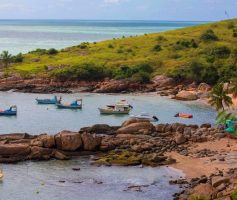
{"x": 199, "y": 151}
{"x": 162, "y": 85}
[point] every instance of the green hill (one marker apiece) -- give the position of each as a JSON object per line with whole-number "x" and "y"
{"x": 203, "y": 53}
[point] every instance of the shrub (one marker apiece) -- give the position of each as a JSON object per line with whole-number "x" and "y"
{"x": 39, "y": 51}
{"x": 18, "y": 58}
{"x": 209, "y": 35}
{"x": 231, "y": 25}
{"x": 182, "y": 44}
{"x": 83, "y": 45}
{"x": 142, "y": 77}
{"x": 221, "y": 52}
{"x": 210, "y": 75}
{"x": 160, "y": 38}
{"x": 196, "y": 69}
{"x": 86, "y": 71}
{"x": 234, "y": 32}
{"x": 120, "y": 51}
{"x": 52, "y": 51}
{"x": 157, "y": 48}
{"x": 110, "y": 46}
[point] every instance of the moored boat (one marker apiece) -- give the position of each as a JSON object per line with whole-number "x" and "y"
{"x": 184, "y": 115}
{"x": 145, "y": 116}
{"x": 73, "y": 105}
{"x": 54, "y": 100}
{"x": 12, "y": 111}
{"x": 121, "y": 102}
{"x": 116, "y": 109}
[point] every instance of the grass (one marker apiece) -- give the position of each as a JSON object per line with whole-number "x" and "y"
{"x": 160, "y": 50}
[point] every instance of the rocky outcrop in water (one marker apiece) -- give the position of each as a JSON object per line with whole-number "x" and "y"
{"x": 134, "y": 142}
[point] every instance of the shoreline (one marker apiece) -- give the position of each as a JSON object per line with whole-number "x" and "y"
{"x": 195, "y": 151}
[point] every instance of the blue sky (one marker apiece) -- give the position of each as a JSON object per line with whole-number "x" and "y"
{"x": 203, "y": 10}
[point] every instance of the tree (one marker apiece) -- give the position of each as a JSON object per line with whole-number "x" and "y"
{"x": 219, "y": 97}
{"x": 6, "y": 58}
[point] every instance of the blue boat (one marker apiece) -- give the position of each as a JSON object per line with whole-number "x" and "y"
{"x": 55, "y": 100}
{"x": 73, "y": 105}
{"x": 12, "y": 111}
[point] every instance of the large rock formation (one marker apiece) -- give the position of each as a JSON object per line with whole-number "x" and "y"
{"x": 136, "y": 128}
{"x": 90, "y": 142}
{"x": 68, "y": 141}
{"x": 186, "y": 96}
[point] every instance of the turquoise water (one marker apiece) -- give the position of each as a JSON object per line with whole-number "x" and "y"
{"x": 36, "y": 119}
{"x": 55, "y": 180}
{"x": 25, "y": 35}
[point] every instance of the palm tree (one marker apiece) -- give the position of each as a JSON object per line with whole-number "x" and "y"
{"x": 6, "y": 58}
{"x": 219, "y": 97}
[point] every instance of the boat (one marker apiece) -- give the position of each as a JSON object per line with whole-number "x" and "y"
{"x": 116, "y": 109}
{"x": 73, "y": 105}
{"x": 145, "y": 116}
{"x": 121, "y": 102}
{"x": 54, "y": 100}
{"x": 12, "y": 111}
{"x": 184, "y": 115}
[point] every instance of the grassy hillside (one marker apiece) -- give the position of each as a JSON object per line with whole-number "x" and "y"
{"x": 197, "y": 52}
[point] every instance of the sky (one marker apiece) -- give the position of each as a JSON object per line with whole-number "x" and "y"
{"x": 190, "y": 10}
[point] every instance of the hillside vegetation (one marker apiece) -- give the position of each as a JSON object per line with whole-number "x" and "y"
{"x": 202, "y": 53}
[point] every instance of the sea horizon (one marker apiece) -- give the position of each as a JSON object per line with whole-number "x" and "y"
{"x": 24, "y": 35}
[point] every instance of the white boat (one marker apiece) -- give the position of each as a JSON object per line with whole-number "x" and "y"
{"x": 121, "y": 103}
{"x": 119, "y": 108}
{"x": 145, "y": 116}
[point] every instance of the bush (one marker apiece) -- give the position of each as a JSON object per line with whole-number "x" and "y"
{"x": 142, "y": 77}
{"x": 83, "y": 45}
{"x": 209, "y": 35}
{"x": 231, "y": 25}
{"x": 210, "y": 75}
{"x": 52, "y": 51}
{"x": 183, "y": 44}
{"x": 110, "y": 46}
{"x": 85, "y": 71}
{"x": 196, "y": 69}
{"x": 39, "y": 51}
{"x": 137, "y": 71}
{"x": 221, "y": 52}
{"x": 234, "y": 32}
{"x": 18, "y": 58}
{"x": 157, "y": 48}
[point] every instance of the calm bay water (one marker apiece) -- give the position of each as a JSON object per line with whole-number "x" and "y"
{"x": 43, "y": 181}
{"x": 33, "y": 118}
{"x": 25, "y": 35}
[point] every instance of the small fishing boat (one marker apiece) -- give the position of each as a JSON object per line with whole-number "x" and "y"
{"x": 145, "y": 116}
{"x": 116, "y": 109}
{"x": 54, "y": 100}
{"x": 12, "y": 111}
{"x": 73, "y": 105}
{"x": 184, "y": 115}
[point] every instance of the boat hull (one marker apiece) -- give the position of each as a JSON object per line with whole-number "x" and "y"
{"x": 8, "y": 113}
{"x": 60, "y": 106}
{"x": 44, "y": 101}
{"x": 144, "y": 118}
{"x": 113, "y": 112}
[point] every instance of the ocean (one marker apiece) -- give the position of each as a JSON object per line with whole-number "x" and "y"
{"x": 25, "y": 35}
